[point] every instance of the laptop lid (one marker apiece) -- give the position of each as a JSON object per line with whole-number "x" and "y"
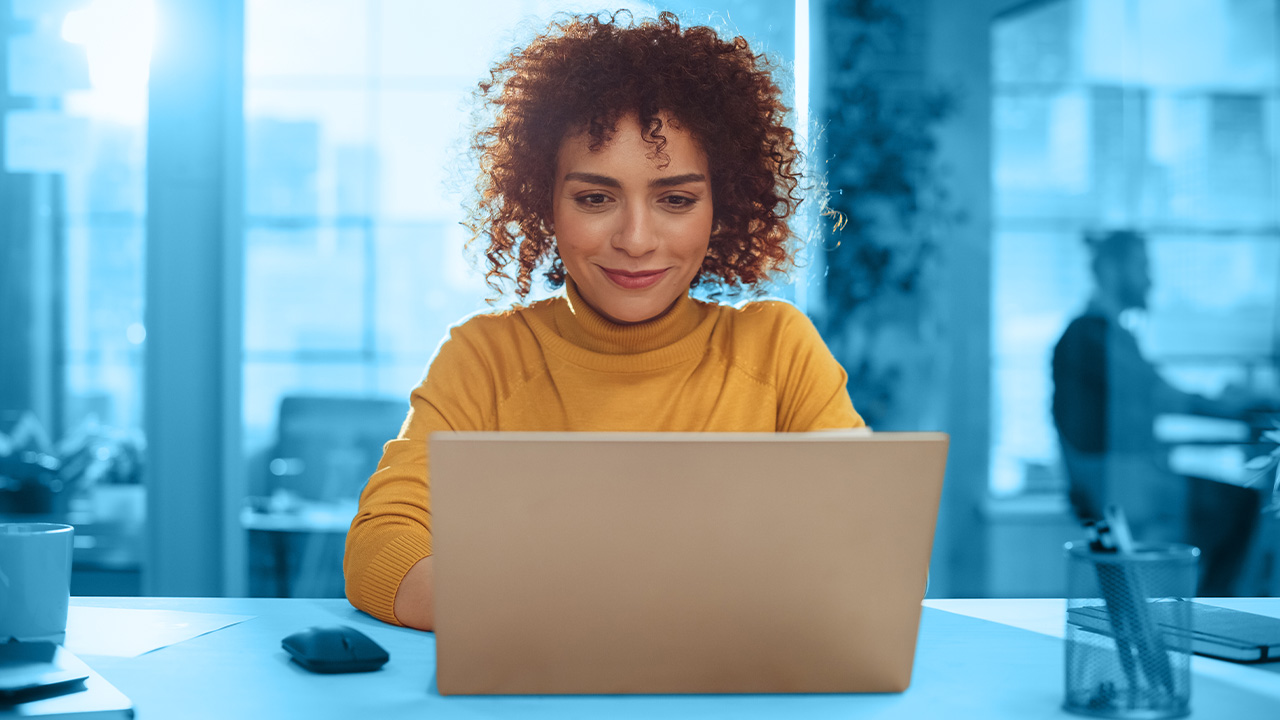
{"x": 680, "y": 562}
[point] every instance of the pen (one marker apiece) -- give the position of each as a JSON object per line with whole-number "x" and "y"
{"x": 1109, "y": 577}
{"x": 1143, "y": 633}
{"x": 1126, "y": 599}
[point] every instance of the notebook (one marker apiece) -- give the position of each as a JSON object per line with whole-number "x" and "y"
{"x": 570, "y": 563}
{"x": 1215, "y": 631}
{"x": 43, "y": 680}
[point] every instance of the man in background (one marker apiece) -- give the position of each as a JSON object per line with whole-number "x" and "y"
{"x": 1105, "y": 401}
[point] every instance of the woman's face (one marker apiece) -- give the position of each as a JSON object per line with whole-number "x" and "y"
{"x": 632, "y": 231}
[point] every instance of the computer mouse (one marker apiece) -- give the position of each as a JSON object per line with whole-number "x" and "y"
{"x": 335, "y": 649}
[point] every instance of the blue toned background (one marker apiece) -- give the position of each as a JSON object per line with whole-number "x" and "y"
{"x": 229, "y": 245}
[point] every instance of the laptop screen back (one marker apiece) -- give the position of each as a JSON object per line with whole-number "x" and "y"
{"x": 680, "y": 563}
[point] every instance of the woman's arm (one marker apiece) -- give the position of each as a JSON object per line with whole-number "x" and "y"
{"x": 387, "y": 563}
{"x": 811, "y": 383}
{"x": 392, "y": 529}
{"x": 415, "y": 600}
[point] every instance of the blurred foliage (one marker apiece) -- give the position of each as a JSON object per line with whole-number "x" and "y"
{"x": 39, "y": 476}
{"x": 889, "y": 205}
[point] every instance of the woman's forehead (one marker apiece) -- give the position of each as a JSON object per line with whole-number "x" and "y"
{"x": 670, "y": 148}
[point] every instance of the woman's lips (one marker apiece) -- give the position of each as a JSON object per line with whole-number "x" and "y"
{"x": 634, "y": 280}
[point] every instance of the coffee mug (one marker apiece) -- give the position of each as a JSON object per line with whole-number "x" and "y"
{"x": 35, "y": 581}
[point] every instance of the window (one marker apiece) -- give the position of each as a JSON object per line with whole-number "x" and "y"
{"x": 356, "y": 116}
{"x": 1129, "y": 114}
{"x": 73, "y": 196}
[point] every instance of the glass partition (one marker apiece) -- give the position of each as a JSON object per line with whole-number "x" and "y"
{"x": 1136, "y": 115}
{"x": 1124, "y": 114}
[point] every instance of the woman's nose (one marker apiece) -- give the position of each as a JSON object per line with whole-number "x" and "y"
{"x": 636, "y": 235}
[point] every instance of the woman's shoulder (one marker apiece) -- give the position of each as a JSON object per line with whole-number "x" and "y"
{"x": 496, "y": 338}
{"x": 500, "y": 324}
{"x": 765, "y": 315}
{"x": 765, "y": 333}
{"x": 773, "y": 341}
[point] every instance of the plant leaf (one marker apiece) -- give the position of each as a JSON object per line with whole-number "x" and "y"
{"x": 1260, "y": 462}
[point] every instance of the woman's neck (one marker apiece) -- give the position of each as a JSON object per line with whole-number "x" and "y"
{"x": 583, "y": 325}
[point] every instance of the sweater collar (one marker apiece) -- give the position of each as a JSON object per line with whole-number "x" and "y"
{"x": 580, "y": 324}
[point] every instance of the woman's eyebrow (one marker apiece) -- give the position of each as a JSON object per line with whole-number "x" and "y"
{"x": 593, "y": 179}
{"x": 674, "y": 180}
{"x": 670, "y": 181}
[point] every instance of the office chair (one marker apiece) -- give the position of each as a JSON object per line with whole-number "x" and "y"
{"x": 324, "y": 451}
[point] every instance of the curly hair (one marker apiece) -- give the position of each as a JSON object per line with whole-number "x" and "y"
{"x": 587, "y": 72}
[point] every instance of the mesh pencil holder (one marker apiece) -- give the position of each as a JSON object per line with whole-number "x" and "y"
{"x": 1128, "y": 639}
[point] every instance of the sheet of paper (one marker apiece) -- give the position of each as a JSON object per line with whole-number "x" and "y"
{"x": 121, "y": 632}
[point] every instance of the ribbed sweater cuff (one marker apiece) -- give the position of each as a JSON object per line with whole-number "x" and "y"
{"x": 389, "y": 566}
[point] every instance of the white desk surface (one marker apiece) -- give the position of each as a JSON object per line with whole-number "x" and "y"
{"x": 975, "y": 659}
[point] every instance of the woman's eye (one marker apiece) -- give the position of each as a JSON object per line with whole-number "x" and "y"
{"x": 592, "y": 200}
{"x": 680, "y": 202}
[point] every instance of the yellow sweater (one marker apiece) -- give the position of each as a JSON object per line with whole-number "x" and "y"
{"x": 559, "y": 365}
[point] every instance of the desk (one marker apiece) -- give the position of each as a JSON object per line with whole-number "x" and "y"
{"x": 976, "y": 659}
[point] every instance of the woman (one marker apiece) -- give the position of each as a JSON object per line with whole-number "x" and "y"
{"x": 637, "y": 161}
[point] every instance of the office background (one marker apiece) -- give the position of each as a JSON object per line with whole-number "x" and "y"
{"x": 229, "y": 245}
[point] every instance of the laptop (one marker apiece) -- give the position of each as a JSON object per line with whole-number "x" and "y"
{"x": 606, "y": 563}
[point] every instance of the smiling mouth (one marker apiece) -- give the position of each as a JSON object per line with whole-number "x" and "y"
{"x": 634, "y": 280}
